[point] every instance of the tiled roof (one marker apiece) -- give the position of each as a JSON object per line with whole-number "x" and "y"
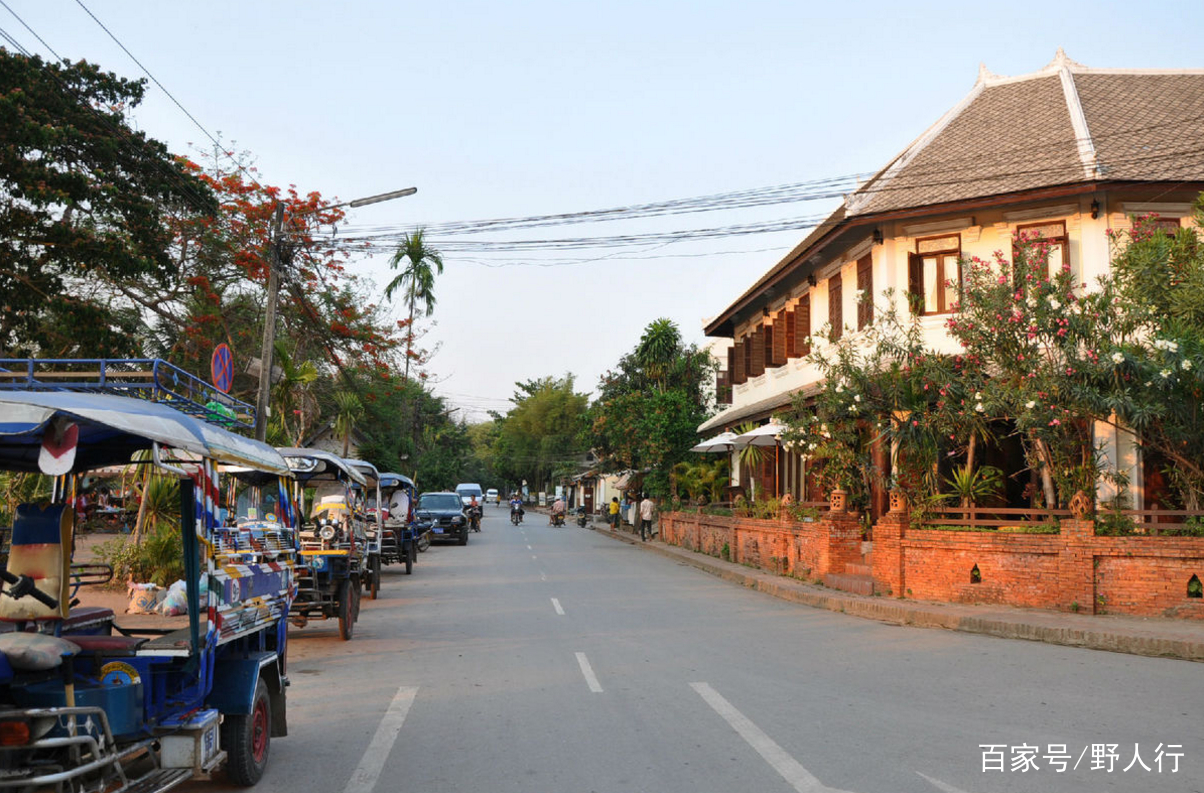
{"x": 1062, "y": 125}
{"x": 1147, "y": 127}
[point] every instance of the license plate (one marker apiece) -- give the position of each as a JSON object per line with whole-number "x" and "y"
{"x": 438, "y": 530}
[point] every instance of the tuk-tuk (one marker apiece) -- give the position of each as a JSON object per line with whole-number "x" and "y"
{"x": 333, "y": 538}
{"x": 91, "y": 705}
{"x": 369, "y": 500}
{"x": 398, "y": 543}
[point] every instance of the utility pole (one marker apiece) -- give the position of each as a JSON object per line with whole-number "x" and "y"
{"x": 269, "y": 326}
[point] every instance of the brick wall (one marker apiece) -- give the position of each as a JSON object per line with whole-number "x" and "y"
{"x": 803, "y": 550}
{"x": 1073, "y": 570}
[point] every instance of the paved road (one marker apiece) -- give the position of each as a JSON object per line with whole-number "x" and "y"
{"x": 540, "y": 659}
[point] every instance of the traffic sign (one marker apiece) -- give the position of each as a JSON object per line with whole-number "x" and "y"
{"x": 222, "y": 368}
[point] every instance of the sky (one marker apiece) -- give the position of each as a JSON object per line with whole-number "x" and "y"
{"x": 533, "y": 107}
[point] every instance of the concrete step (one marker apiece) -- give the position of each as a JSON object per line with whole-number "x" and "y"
{"x": 864, "y": 568}
{"x": 849, "y": 582}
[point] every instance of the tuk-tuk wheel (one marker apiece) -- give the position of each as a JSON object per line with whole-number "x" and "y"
{"x": 247, "y": 739}
{"x": 355, "y": 605}
{"x": 348, "y": 590}
{"x": 410, "y": 559}
{"x": 374, "y": 578}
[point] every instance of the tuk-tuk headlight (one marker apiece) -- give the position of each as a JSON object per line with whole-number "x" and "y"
{"x": 326, "y": 533}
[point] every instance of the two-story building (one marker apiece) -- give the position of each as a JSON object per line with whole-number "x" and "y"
{"x": 1066, "y": 153}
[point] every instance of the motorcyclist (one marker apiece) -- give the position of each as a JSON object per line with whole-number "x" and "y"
{"x": 474, "y": 514}
{"x": 558, "y": 508}
{"x": 516, "y": 505}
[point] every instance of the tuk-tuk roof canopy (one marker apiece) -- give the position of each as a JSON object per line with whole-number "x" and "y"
{"x": 364, "y": 467}
{"x": 310, "y": 464}
{"x": 112, "y": 428}
{"x": 392, "y": 480}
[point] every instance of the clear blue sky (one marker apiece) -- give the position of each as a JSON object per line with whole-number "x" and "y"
{"x": 511, "y": 109}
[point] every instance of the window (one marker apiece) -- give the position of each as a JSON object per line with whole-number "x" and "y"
{"x": 835, "y": 309}
{"x": 756, "y": 366}
{"x": 776, "y": 351}
{"x": 802, "y": 326}
{"x": 1054, "y": 234}
{"x": 865, "y": 291}
{"x": 934, "y": 276}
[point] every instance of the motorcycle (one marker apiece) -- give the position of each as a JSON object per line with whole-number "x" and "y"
{"x": 557, "y": 518}
{"x": 516, "y": 515}
{"x": 474, "y": 518}
{"x": 581, "y": 518}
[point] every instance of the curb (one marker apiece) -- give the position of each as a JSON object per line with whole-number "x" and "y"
{"x": 900, "y": 612}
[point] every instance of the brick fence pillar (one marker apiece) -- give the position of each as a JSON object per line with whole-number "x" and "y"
{"x": 840, "y": 542}
{"x": 888, "y": 554}
{"x": 1076, "y": 566}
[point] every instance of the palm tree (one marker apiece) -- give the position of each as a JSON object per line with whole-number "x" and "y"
{"x": 750, "y": 457}
{"x": 418, "y": 279}
{"x": 292, "y": 393}
{"x": 350, "y": 411}
{"x": 658, "y": 348}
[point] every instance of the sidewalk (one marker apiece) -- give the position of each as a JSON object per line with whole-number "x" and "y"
{"x": 1164, "y": 638}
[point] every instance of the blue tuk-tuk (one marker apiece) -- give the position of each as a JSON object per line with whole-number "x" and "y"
{"x": 399, "y": 543}
{"x": 333, "y": 536}
{"x": 90, "y": 705}
{"x": 368, "y": 501}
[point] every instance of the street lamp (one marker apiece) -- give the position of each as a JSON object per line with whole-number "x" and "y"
{"x": 269, "y": 320}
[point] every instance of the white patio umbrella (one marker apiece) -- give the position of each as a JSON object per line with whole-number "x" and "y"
{"x": 720, "y": 443}
{"x": 765, "y": 435}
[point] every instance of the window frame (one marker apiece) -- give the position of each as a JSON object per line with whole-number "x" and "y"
{"x": 943, "y": 255}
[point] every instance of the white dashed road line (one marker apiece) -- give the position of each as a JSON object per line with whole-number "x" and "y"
{"x": 363, "y": 778}
{"x": 790, "y": 769}
{"x": 591, "y": 679}
{"x": 556, "y": 605}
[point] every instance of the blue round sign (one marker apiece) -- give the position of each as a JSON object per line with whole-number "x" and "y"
{"x": 222, "y": 368}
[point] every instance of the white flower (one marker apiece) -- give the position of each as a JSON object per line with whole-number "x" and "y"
{"x": 1054, "y": 304}
{"x": 1165, "y": 373}
{"x": 857, "y": 398}
{"x": 979, "y": 407}
{"x": 853, "y": 409}
{"x": 839, "y": 388}
{"x": 978, "y": 395}
{"x": 1076, "y": 309}
{"x": 859, "y": 295}
{"x": 823, "y": 428}
{"x": 1173, "y": 346}
{"x": 1030, "y": 404}
{"x": 1118, "y": 357}
{"x": 1031, "y": 302}
{"x": 1186, "y": 365}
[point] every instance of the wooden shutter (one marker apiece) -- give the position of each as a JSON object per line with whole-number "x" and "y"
{"x": 835, "y": 307}
{"x": 758, "y": 353}
{"x": 802, "y": 326}
{"x": 865, "y": 282}
{"x": 791, "y": 340}
{"x": 915, "y": 282}
{"x": 723, "y": 388}
{"x": 777, "y": 349}
{"x": 739, "y": 365}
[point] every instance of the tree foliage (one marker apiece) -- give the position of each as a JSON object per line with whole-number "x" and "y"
{"x": 649, "y": 408}
{"x": 540, "y": 434}
{"x": 87, "y": 197}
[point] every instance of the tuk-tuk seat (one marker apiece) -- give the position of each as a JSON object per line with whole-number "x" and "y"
{"x": 40, "y": 549}
{"x": 88, "y": 619}
{"x": 108, "y": 645}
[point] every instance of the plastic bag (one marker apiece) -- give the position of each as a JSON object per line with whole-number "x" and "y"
{"x": 176, "y": 601}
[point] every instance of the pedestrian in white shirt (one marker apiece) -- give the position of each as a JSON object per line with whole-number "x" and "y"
{"x": 646, "y": 507}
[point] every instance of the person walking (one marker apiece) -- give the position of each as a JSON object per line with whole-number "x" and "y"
{"x": 614, "y": 513}
{"x": 646, "y": 507}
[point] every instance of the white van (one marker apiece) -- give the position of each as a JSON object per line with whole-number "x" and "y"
{"x": 467, "y": 491}
{"x": 491, "y": 495}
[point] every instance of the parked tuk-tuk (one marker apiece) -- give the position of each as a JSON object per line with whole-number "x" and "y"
{"x": 333, "y": 538}
{"x": 91, "y": 705}
{"x": 399, "y": 545}
{"x": 368, "y": 500}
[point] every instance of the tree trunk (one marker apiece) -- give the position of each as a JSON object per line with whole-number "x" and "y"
{"x": 142, "y": 507}
{"x": 1046, "y": 473}
{"x": 967, "y": 501}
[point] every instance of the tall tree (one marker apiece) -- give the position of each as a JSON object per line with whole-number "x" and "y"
{"x": 422, "y": 263}
{"x": 540, "y": 433}
{"x": 86, "y": 197}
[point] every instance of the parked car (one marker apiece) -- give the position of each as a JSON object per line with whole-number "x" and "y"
{"x": 467, "y": 491}
{"x": 442, "y": 514}
{"x": 491, "y": 495}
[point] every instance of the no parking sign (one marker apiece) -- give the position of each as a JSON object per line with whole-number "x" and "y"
{"x": 222, "y": 368}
